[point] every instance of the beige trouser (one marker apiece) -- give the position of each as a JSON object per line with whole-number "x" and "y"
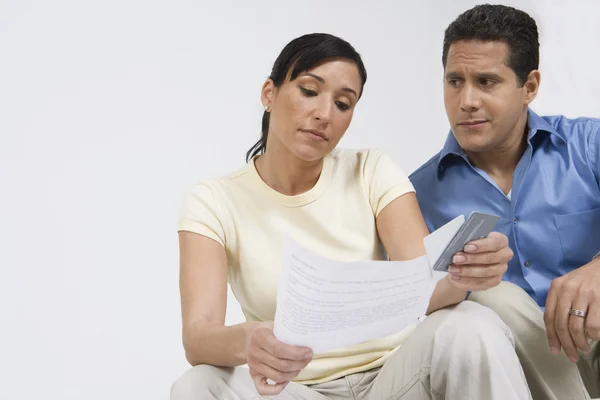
{"x": 460, "y": 353}
{"x": 549, "y": 377}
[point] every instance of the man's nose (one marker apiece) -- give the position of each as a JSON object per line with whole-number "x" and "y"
{"x": 470, "y": 99}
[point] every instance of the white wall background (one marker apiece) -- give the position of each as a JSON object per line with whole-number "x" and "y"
{"x": 110, "y": 110}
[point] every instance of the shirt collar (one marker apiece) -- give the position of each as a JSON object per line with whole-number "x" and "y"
{"x": 535, "y": 124}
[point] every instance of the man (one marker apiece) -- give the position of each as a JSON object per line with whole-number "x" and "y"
{"x": 541, "y": 176}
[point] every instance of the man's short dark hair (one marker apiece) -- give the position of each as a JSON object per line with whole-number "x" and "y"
{"x": 489, "y": 22}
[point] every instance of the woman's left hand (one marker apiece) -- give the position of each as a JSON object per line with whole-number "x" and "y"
{"x": 482, "y": 263}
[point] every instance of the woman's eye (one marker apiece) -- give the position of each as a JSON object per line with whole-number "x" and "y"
{"x": 342, "y": 106}
{"x": 308, "y": 92}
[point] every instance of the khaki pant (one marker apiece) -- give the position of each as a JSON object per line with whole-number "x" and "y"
{"x": 460, "y": 353}
{"x": 549, "y": 377}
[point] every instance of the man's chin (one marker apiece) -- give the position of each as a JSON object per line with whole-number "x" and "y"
{"x": 474, "y": 143}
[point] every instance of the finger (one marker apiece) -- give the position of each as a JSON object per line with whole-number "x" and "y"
{"x": 549, "y": 319}
{"x": 561, "y": 324}
{"x": 280, "y": 364}
{"x": 577, "y": 324}
{"x": 501, "y": 256}
{"x": 281, "y": 350}
{"x": 478, "y": 271}
{"x": 494, "y": 242}
{"x": 271, "y": 373}
{"x": 592, "y": 321}
{"x": 263, "y": 387}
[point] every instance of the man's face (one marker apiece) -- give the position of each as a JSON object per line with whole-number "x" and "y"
{"x": 483, "y": 98}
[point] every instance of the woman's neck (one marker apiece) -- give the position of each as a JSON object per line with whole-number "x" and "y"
{"x": 286, "y": 173}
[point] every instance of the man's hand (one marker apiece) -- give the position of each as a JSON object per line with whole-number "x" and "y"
{"x": 579, "y": 290}
{"x": 482, "y": 263}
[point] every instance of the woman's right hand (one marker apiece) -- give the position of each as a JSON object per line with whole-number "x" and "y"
{"x": 269, "y": 358}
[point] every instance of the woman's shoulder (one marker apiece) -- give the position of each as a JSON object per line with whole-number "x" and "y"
{"x": 206, "y": 205}
{"x": 365, "y": 157}
{"x": 222, "y": 182}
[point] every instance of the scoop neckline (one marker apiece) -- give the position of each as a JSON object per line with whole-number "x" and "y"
{"x": 299, "y": 199}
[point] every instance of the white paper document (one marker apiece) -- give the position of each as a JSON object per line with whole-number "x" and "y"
{"x": 437, "y": 241}
{"x": 325, "y": 304}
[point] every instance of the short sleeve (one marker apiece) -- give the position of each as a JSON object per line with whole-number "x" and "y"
{"x": 385, "y": 180}
{"x": 200, "y": 213}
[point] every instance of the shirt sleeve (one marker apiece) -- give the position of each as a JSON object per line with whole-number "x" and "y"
{"x": 201, "y": 213}
{"x": 594, "y": 157}
{"x": 385, "y": 180}
{"x": 594, "y": 150}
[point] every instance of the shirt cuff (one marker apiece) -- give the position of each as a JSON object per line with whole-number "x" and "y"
{"x": 597, "y": 255}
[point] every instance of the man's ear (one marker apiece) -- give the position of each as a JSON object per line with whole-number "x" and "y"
{"x": 532, "y": 85}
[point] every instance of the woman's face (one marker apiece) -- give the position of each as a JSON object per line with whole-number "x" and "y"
{"x": 310, "y": 114}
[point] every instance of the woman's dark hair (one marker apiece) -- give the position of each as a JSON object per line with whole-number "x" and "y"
{"x": 302, "y": 54}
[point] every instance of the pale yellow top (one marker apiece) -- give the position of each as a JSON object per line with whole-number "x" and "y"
{"x": 335, "y": 219}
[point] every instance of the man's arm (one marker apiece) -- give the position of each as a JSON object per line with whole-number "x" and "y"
{"x": 577, "y": 290}
{"x": 480, "y": 270}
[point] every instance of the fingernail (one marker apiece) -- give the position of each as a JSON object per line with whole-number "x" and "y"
{"x": 308, "y": 356}
{"x": 458, "y": 259}
{"x": 453, "y": 269}
{"x": 455, "y": 277}
{"x": 573, "y": 359}
{"x": 470, "y": 248}
{"x": 555, "y": 350}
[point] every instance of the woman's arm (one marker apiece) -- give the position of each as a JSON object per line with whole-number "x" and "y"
{"x": 401, "y": 228}
{"x": 203, "y": 288}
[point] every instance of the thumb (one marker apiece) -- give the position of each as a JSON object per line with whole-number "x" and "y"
{"x": 269, "y": 325}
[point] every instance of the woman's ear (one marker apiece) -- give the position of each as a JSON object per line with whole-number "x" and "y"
{"x": 267, "y": 95}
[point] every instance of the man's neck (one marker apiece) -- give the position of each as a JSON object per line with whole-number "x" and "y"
{"x": 287, "y": 174}
{"x": 500, "y": 163}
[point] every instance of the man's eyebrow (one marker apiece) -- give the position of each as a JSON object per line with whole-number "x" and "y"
{"x": 453, "y": 75}
{"x": 489, "y": 75}
{"x": 480, "y": 75}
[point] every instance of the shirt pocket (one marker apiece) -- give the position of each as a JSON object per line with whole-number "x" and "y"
{"x": 579, "y": 235}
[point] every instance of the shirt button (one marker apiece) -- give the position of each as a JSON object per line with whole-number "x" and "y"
{"x": 527, "y": 263}
{"x": 516, "y": 220}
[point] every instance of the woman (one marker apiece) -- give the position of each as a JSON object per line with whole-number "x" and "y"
{"x": 343, "y": 205}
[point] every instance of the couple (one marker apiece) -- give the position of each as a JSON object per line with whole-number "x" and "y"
{"x": 531, "y": 336}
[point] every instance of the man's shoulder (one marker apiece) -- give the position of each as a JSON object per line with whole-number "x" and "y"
{"x": 426, "y": 172}
{"x": 572, "y": 128}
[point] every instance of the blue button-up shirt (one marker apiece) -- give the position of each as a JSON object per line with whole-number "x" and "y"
{"x": 552, "y": 216}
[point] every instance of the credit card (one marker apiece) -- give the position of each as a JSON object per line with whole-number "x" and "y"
{"x": 478, "y": 226}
